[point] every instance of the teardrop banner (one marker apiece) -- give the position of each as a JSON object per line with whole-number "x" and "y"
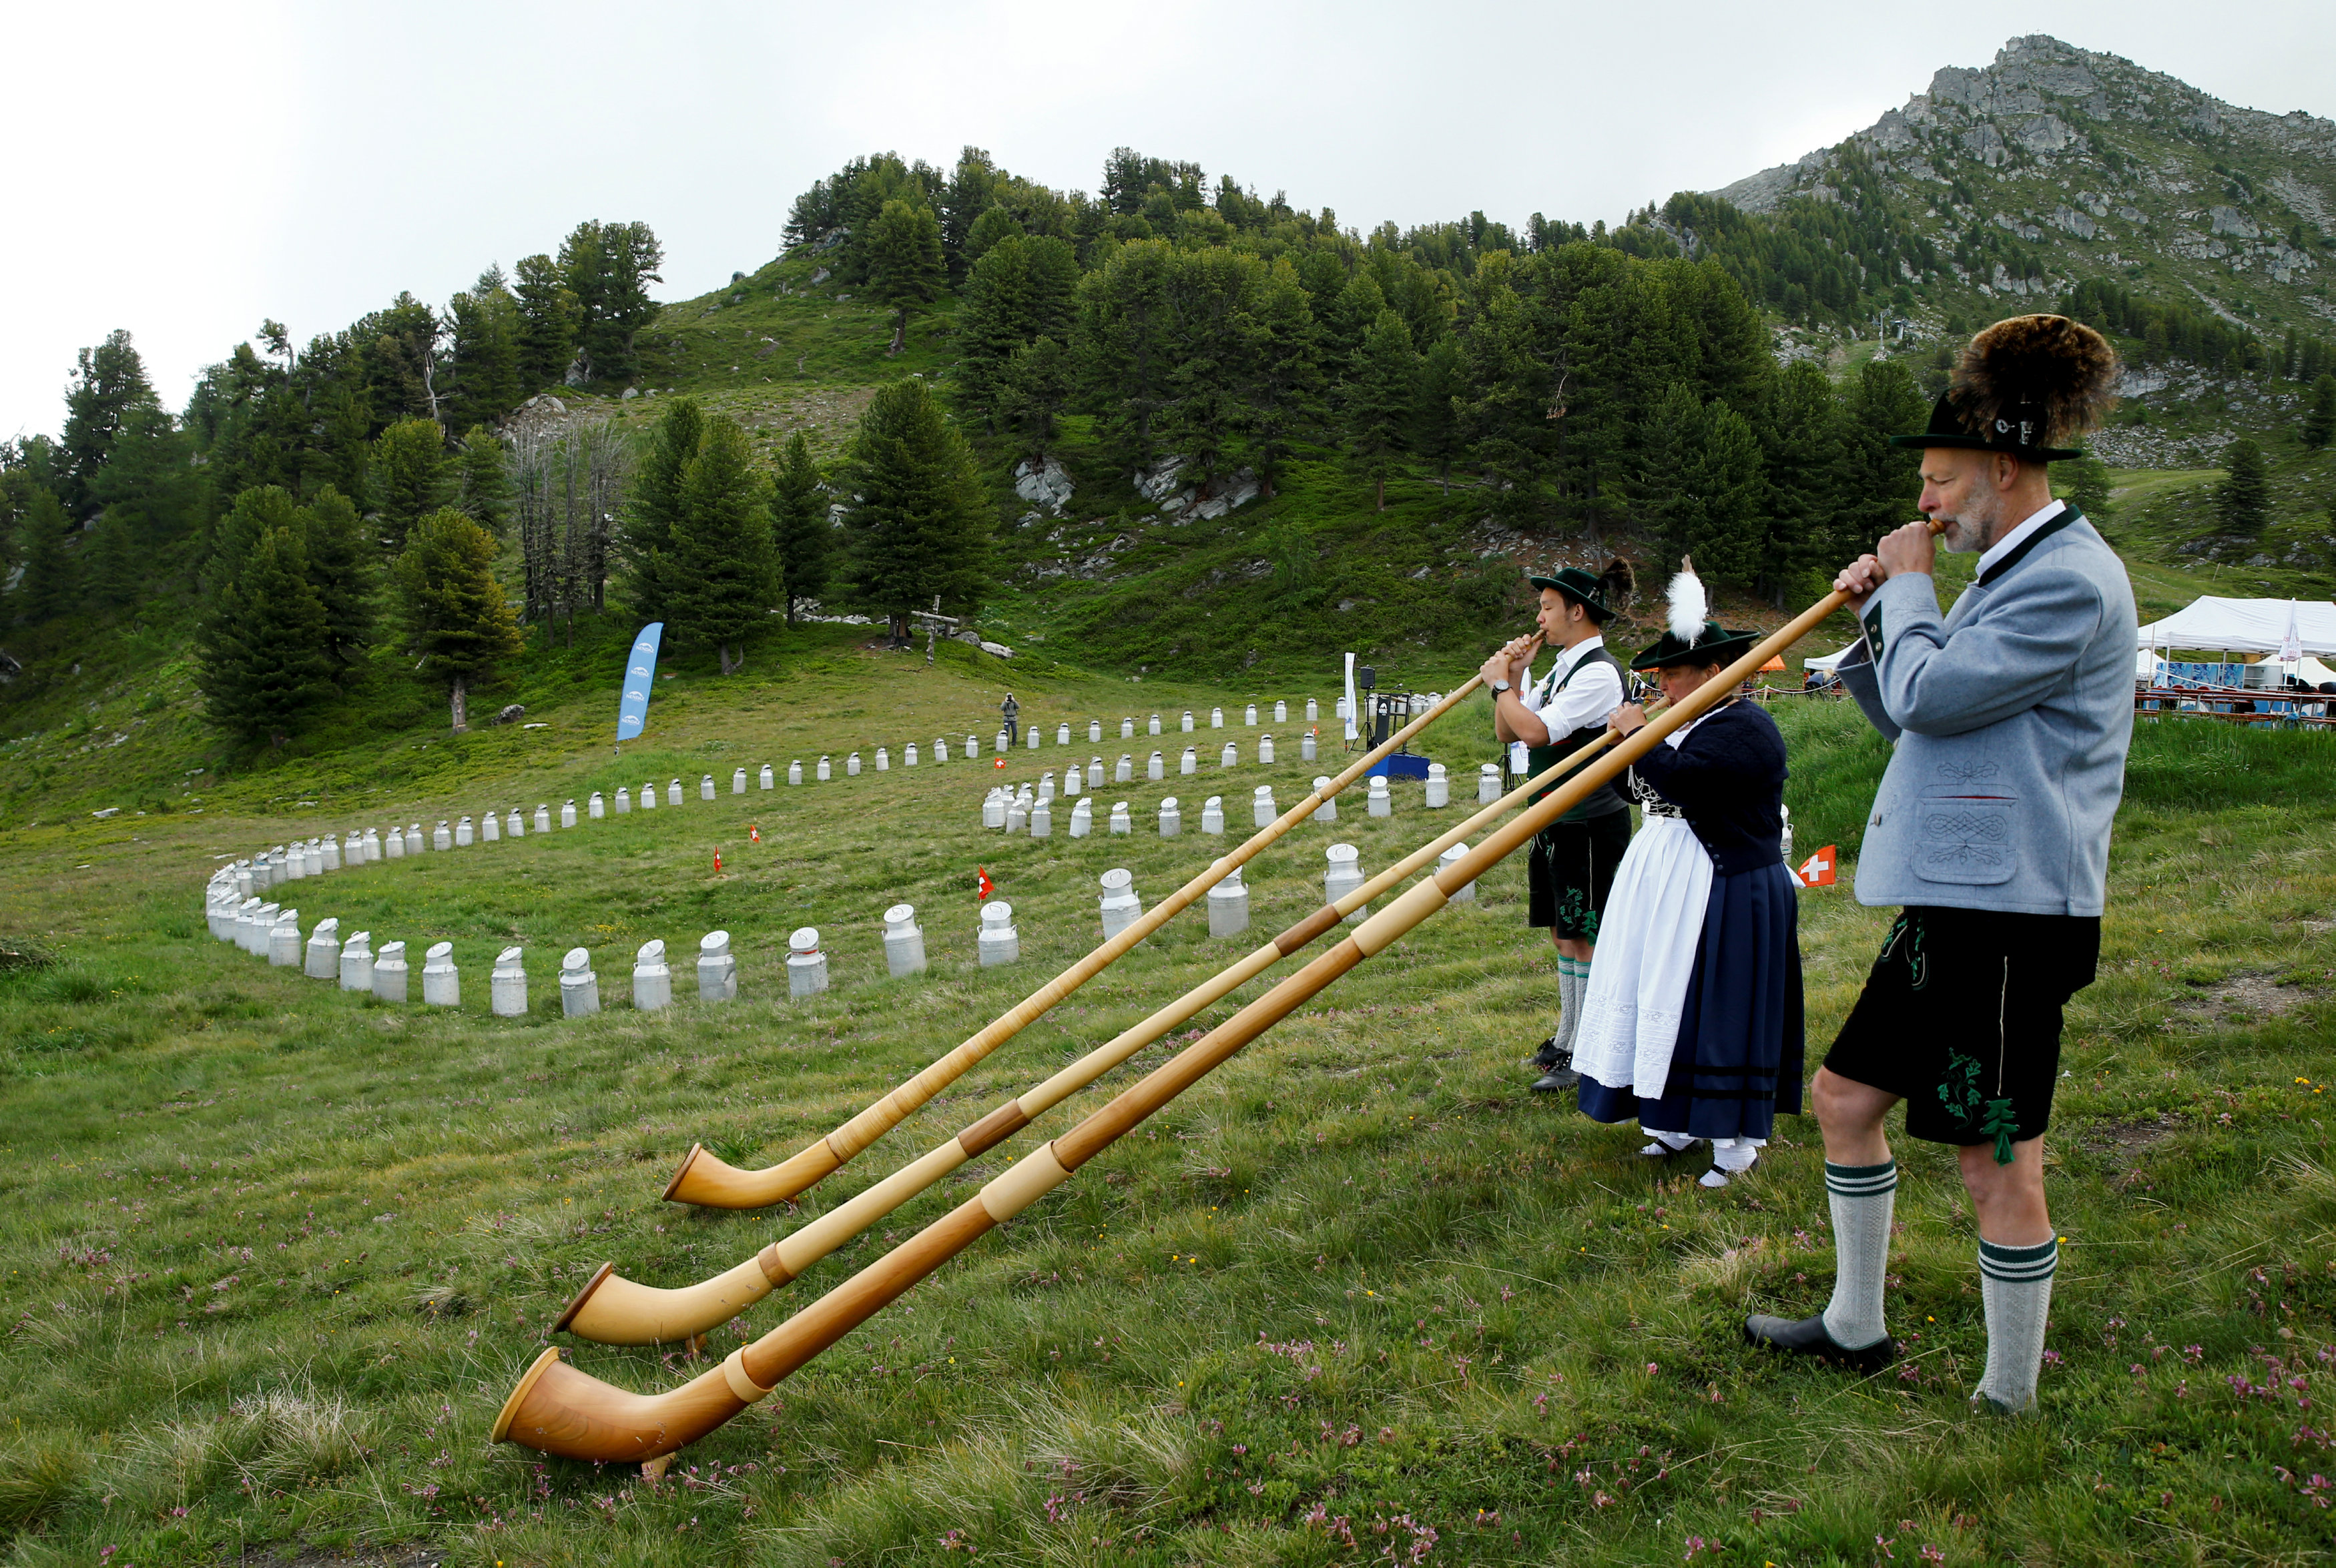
{"x": 640, "y": 674}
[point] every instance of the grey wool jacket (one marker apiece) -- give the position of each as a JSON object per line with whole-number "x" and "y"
{"x": 2011, "y": 719}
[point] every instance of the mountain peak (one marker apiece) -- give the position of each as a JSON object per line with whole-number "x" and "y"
{"x": 2040, "y": 101}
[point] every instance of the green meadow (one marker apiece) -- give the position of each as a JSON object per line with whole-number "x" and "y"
{"x": 272, "y": 1255}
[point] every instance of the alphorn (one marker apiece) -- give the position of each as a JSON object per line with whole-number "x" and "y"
{"x": 559, "y": 1409}
{"x": 612, "y": 1310}
{"x": 711, "y": 1183}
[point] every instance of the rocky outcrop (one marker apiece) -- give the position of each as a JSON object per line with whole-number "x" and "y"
{"x": 1044, "y": 484}
{"x": 1179, "y": 503}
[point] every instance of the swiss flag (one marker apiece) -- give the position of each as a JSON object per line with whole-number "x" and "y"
{"x": 982, "y": 882}
{"x": 1816, "y": 871}
{"x": 718, "y": 862}
{"x": 755, "y": 834}
{"x": 998, "y": 762}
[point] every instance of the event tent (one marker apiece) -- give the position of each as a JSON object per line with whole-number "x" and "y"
{"x": 2246, "y": 626}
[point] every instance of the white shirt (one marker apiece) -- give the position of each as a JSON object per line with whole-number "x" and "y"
{"x": 2019, "y": 535}
{"x": 1593, "y": 695}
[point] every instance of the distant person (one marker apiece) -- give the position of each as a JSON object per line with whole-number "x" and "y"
{"x": 1009, "y": 710}
{"x": 1691, "y": 1024}
{"x": 2011, "y": 717}
{"x": 1572, "y": 863}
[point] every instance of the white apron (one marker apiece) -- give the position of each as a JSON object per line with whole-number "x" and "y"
{"x": 1646, "y": 957}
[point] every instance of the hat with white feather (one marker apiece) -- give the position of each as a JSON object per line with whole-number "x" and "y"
{"x": 1691, "y": 637}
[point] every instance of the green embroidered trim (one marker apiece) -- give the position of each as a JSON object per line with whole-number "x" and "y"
{"x": 2000, "y": 1125}
{"x": 1905, "y": 939}
{"x": 1959, "y": 1089}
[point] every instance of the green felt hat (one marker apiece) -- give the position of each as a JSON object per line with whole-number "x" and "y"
{"x": 1715, "y": 644}
{"x": 1584, "y": 588}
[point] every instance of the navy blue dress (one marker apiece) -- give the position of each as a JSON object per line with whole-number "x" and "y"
{"x": 1739, "y": 1058}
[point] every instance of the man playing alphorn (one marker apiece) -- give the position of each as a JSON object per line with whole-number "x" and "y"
{"x": 2012, "y": 716}
{"x": 1569, "y": 868}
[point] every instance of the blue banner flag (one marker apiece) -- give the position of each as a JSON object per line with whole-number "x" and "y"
{"x": 640, "y": 673}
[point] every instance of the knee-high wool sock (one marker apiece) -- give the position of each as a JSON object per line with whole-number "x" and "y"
{"x": 1572, "y": 980}
{"x": 2015, "y": 1286}
{"x": 1860, "y": 1197}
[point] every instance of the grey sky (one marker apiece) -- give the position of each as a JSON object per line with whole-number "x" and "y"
{"x": 186, "y": 171}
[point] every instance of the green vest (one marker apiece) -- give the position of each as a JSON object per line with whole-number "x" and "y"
{"x": 1605, "y": 799}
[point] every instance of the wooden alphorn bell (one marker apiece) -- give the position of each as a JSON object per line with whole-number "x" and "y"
{"x": 710, "y": 1183}
{"x": 558, "y": 1410}
{"x": 612, "y": 1310}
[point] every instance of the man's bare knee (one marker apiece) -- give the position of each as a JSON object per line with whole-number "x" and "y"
{"x": 1843, "y": 1104}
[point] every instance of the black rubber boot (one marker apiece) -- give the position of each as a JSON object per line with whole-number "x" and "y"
{"x": 1559, "y": 1078}
{"x": 1807, "y": 1337}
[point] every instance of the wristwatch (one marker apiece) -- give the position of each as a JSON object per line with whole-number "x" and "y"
{"x": 1499, "y": 687}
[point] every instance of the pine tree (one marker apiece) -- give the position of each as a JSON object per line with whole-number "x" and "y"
{"x": 652, "y": 509}
{"x": 342, "y": 570}
{"x": 800, "y": 524}
{"x": 409, "y": 477}
{"x": 2319, "y": 418}
{"x": 903, "y": 253}
{"x": 483, "y": 379}
{"x": 1878, "y": 484}
{"x": 50, "y": 586}
{"x": 724, "y": 574}
{"x": 1282, "y": 395}
{"x": 1435, "y": 421}
{"x": 919, "y": 523}
{"x": 608, "y": 269}
{"x": 1213, "y": 353}
{"x": 1504, "y": 396}
{"x": 1704, "y": 485}
{"x": 457, "y": 619}
{"x": 2243, "y": 504}
{"x": 1123, "y": 345}
{"x": 482, "y": 487}
{"x": 262, "y": 662}
{"x": 1021, "y": 289}
{"x": 1037, "y": 386}
{"x": 108, "y": 388}
{"x": 2086, "y": 484}
{"x": 991, "y": 227}
{"x": 1377, "y": 395}
{"x": 1799, "y": 433}
{"x": 150, "y": 487}
{"x": 547, "y": 319}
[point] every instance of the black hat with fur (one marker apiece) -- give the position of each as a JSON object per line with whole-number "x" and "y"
{"x": 2026, "y": 386}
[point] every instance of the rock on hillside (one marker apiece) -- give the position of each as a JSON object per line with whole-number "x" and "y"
{"x": 2111, "y": 170}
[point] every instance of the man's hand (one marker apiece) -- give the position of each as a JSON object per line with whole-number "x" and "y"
{"x": 1627, "y": 720}
{"x": 1912, "y": 548}
{"x": 1510, "y": 663}
{"x": 1858, "y": 580}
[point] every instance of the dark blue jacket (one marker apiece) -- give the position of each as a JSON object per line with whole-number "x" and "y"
{"x": 1727, "y": 780}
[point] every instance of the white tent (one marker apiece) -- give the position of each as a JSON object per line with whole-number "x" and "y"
{"x": 2246, "y": 626}
{"x": 1828, "y": 663}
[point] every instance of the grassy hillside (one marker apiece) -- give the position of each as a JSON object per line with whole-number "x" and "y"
{"x": 273, "y": 1254}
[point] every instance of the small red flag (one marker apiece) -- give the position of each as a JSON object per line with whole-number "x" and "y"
{"x": 717, "y": 860}
{"x": 1818, "y": 870}
{"x": 983, "y": 881}
{"x": 755, "y": 834}
{"x": 1000, "y": 762}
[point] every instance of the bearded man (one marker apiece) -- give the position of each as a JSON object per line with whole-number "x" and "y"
{"x": 2010, "y": 716}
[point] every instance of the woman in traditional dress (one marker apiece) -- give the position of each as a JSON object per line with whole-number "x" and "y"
{"x": 1692, "y": 1021}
